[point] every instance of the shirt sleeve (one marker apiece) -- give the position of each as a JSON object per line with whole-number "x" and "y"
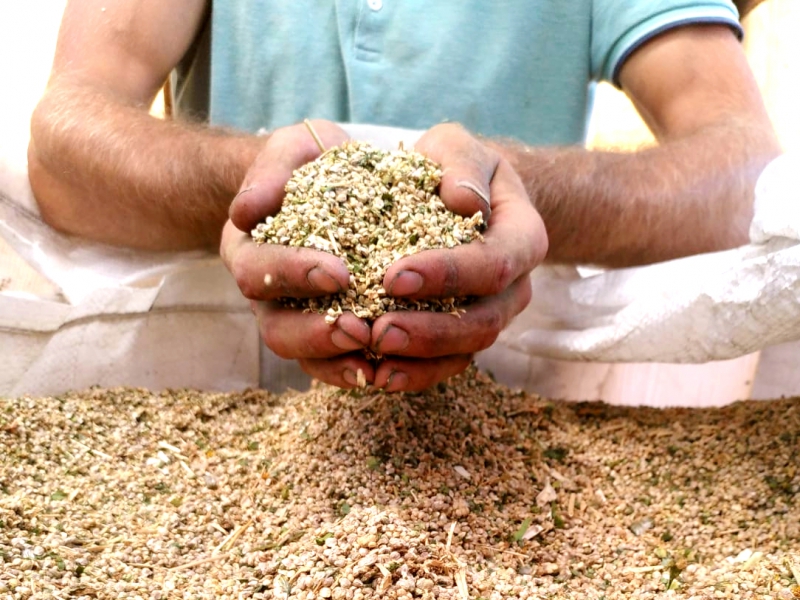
{"x": 621, "y": 26}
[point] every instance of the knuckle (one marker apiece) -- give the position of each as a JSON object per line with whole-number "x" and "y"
{"x": 244, "y": 281}
{"x": 535, "y": 231}
{"x": 428, "y": 347}
{"x": 451, "y": 278}
{"x": 491, "y": 154}
{"x": 312, "y": 368}
{"x": 503, "y": 273}
{"x": 429, "y": 341}
{"x": 487, "y": 340}
{"x": 491, "y": 326}
{"x": 274, "y": 342}
{"x": 448, "y": 128}
{"x": 540, "y": 248}
{"x": 524, "y": 296}
{"x": 313, "y": 346}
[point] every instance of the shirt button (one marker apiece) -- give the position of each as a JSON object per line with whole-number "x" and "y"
{"x": 375, "y": 5}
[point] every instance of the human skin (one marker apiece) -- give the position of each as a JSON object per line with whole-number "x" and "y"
{"x": 746, "y": 6}
{"x": 102, "y": 168}
{"x": 514, "y": 243}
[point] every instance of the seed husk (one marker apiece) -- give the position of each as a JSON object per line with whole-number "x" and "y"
{"x": 355, "y": 495}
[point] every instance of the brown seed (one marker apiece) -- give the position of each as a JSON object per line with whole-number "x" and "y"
{"x": 358, "y": 493}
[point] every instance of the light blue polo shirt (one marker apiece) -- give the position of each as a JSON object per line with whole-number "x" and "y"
{"x": 518, "y": 68}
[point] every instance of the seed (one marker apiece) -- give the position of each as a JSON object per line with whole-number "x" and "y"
{"x": 411, "y": 495}
{"x": 384, "y": 204}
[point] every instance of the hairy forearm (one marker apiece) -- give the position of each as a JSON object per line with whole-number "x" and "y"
{"x": 106, "y": 170}
{"x": 682, "y": 197}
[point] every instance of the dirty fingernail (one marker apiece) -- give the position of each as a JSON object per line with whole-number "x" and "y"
{"x": 343, "y": 341}
{"x": 319, "y": 280}
{"x": 475, "y": 190}
{"x": 397, "y": 381}
{"x": 393, "y": 339}
{"x": 480, "y": 194}
{"x": 406, "y": 283}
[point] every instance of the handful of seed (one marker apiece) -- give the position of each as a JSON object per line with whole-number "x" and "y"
{"x": 370, "y": 207}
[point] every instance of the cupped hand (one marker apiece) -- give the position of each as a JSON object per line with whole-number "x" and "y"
{"x": 267, "y": 272}
{"x": 421, "y": 348}
{"x": 417, "y": 349}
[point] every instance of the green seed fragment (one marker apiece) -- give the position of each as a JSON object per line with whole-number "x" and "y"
{"x": 58, "y": 495}
{"x": 523, "y": 528}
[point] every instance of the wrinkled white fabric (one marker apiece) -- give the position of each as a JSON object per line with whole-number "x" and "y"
{"x": 696, "y": 309}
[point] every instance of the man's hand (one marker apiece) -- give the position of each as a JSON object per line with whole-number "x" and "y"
{"x": 421, "y": 348}
{"x": 417, "y": 349}
{"x": 267, "y": 272}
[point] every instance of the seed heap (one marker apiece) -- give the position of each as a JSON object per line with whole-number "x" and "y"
{"x": 370, "y": 207}
{"x": 470, "y": 490}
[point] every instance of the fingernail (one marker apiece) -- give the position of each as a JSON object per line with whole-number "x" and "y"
{"x": 343, "y": 341}
{"x": 319, "y": 280}
{"x": 350, "y": 377}
{"x": 393, "y": 339}
{"x": 479, "y": 193}
{"x": 239, "y": 193}
{"x": 397, "y": 381}
{"x": 406, "y": 283}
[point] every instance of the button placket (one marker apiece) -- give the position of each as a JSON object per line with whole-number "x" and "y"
{"x": 371, "y": 23}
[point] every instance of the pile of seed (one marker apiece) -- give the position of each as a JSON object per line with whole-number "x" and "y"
{"x": 467, "y": 491}
{"x": 370, "y": 207}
